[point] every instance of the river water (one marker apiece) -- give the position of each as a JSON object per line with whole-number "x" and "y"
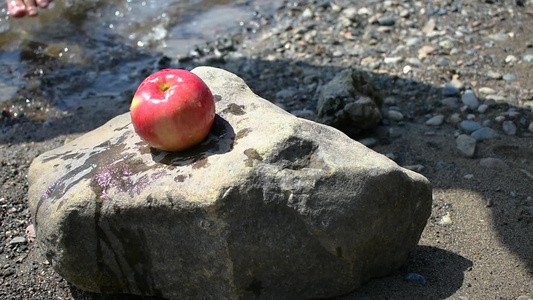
{"x": 80, "y": 53}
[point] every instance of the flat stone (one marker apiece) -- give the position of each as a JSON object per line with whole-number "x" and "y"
{"x": 435, "y": 121}
{"x": 509, "y": 77}
{"x": 486, "y": 90}
{"x": 469, "y": 99}
{"x": 18, "y": 240}
{"x": 466, "y": 145}
{"x": 469, "y": 126}
{"x": 530, "y": 128}
{"x": 484, "y": 133}
{"x": 395, "y": 115}
{"x": 386, "y": 21}
{"x": 494, "y": 75}
{"x": 268, "y": 206}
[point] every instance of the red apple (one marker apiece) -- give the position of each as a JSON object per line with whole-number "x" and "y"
{"x": 172, "y": 110}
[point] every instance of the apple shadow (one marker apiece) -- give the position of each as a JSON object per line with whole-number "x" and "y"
{"x": 220, "y": 140}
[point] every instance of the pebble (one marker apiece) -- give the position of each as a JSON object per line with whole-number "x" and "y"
{"x": 17, "y": 240}
{"x": 509, "y": 128}
{"x": 493, "y": 163}
{"x": 509, "y": 77}
{"x": 450, "y": 91}
{"x": 499, "y": 37}
{"x": 469, "y": 99}
{"x": 395, "y": 115}
{"x": 457, "y": 84}
{"x": 484, "y": 133}
{"x": 386, "y": 21}
{"x": 393, "y": 60}
{"x": 494, "y": 75}
{"x": 499, "y": 119}
{"x": 482, "y": 108}
{"x": 435, "y": 121}
{"x": 486, "y": 90}
{"x": 446, "y": 219}
{"x": 414, "y": 41}
{"x": 469, "y": 126}
{"x": 530, "y": 128}
{"x": 446, "y": 44}
{"x": 528, "y": 58}
{"x": 452, "y": 102}
{"x": 466, "y": 145}
{"x": 510, "y": 59}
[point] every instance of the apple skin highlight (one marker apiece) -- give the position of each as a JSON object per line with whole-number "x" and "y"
{"x": 172, "y": 110}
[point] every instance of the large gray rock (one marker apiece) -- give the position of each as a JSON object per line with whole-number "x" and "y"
{"x": 269, "y": 206}
{"x": 350, "y": 102}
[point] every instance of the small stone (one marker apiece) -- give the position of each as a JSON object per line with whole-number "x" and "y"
{"x": 528, "y": 58}
{"x": 524, "y": 297}
{"x": 498, "y": 37}
{"x": 393, "y": 60}
{"x": 510, "y": 59}
{"x": 469, "y": 99}
{"x": 369, "y": 142}
{"x": 493, "y": 163}
{"x": 446, "y": 44}
{"x": 486, "y": 91}
{"x": 499, "y": 119}
{"x": 390, "y": 100}
{"x": 494, "y": 75}
{"x": 530, "y": 128}
{"x": 482, "y": 108}
{"x": 452, "y": 102}
{"x": 497, "y": 98}
{"x": 457, "y": 84}
{"x": 18, "y": 240}
{"x": 307, "y": 14}
{"x": 435, "y": 121}
{"x": 445, "y": 220}
{"x": 395, "y": 115}
{"x": 386, "y": 21}
{"x": 509, "y": 128}
{"x": 466, "y": 145}
{"x": 413, "y": 41}
{"x": 509, "y": 77}
{"x": 468, "y": 176}
{"x": 469, "y": 126}
{"x": 450, "y": 91}
{"x": 484, "y": 133}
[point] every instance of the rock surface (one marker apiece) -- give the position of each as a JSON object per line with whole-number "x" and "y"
{"x": 285, "y": 209}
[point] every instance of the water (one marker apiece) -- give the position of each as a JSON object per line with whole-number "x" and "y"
{"x": 80, "y": 54}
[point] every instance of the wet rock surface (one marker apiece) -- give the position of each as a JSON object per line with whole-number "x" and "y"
{"x": 476, "y": 244}
{"x": 253, "y": 205}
